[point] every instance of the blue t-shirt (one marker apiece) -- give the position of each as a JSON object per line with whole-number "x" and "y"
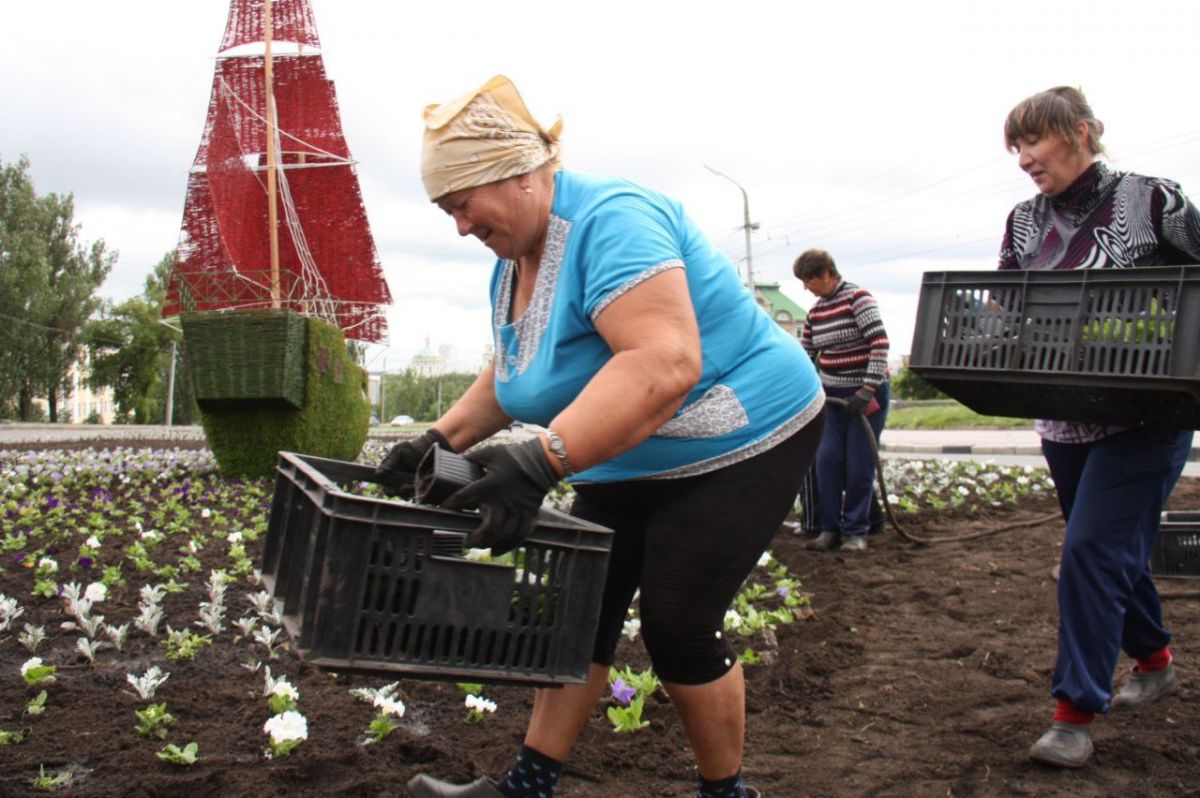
{"x": 605, "y": 237}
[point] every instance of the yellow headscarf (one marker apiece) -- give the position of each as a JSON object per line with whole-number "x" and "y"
{"x": 482, "y": 137}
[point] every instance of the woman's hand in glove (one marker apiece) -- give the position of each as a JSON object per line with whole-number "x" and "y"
{"x": 399, "y": 467}
{"x": 857, "y": 404}
{"x": 508, "y": 496}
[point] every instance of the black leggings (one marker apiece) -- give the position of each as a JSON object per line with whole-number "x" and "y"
{"x": 688, "y": 544}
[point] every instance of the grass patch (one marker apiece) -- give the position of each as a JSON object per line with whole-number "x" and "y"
{"x": 941, "y": 415}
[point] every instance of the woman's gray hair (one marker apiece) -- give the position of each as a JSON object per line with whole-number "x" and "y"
{"x": 814, "y": 263}
{"x": 1058, "y": 111}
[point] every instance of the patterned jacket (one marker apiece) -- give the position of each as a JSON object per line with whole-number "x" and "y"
{"x": 1104, "y": 219}
{"x": 844, "y": 334}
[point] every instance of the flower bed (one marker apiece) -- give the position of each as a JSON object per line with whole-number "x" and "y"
{"x": 138, "y": 654}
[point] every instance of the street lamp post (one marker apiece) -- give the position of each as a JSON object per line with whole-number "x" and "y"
{"x": 747, "y": 226}
{"x": 383, "y": 390}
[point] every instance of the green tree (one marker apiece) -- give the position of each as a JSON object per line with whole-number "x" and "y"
{"x": 131, "y": 353}
{"x": 907, "y": 384}
{"x": 48, "y": 282}
{"x": 417, "y": 396}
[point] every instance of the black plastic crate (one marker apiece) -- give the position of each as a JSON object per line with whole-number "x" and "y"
{"x": 1118, "y": 346}
{"x": 1178, "y": 549}
{"x": 382, "y": 586}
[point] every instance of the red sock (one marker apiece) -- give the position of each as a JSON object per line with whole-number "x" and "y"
{"x": 1068, "y": 712}
{"x": 1157, "y": 661}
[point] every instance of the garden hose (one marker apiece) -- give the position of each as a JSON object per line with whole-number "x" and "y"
{"x": 913, "y": 538}
{"x": 887, "y": 506}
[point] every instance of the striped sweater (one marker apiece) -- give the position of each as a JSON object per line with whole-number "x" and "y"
{"x": 844, "y": 335}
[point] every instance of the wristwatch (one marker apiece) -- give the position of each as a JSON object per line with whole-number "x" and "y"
{"x": 559, "y": 450}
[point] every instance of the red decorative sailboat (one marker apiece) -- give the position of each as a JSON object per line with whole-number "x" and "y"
{"x": 276, "y": 261}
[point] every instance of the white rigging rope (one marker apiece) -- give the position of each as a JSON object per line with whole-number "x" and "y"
{"x": 314, "y": 289}
{"x": 339, "y": 159}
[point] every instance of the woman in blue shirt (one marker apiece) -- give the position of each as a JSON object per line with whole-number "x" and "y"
{"x": 681, "y": 414}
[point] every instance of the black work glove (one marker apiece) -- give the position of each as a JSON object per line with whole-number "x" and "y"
{"x": 508, "y": 496}
{"x": 398, "y": 468}
{"x": 856, "y": 404}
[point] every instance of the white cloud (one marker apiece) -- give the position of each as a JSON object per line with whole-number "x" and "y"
{"x": 872, "y": 129}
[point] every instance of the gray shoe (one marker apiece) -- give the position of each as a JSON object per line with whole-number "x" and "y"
{"x": 854, "y": 543}
{"x": 422, "y": 786}
{"x": 1143, "y": 689}
{"x": 1065, "y": 745}
{"x": 824, "y": 541}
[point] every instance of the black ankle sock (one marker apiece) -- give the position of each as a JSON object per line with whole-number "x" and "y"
{"x": 731, "y": 787}
{"x": 533, "y": 775}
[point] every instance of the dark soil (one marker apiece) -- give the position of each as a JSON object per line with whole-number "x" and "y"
{"x": 922, "y": 670}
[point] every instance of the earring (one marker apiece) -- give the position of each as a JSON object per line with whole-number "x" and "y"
{"x": 528, "y": 190}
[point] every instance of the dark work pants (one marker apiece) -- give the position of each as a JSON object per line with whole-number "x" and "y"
{"x": 1111, "y": 493}
{"x": 810, "y": 506}
{"x": 846, "y": 464}
{"x": 688, "y": 544}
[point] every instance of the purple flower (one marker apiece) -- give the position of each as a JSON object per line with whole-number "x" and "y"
{"x": 85, "y": 562}
{"x": 782, "y": 591}
{"x": 21, "y": 555}
{"x": 622, "y": 693}
{"x": 52, "y": 502}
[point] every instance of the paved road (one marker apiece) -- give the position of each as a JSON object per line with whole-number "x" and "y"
{"x": 15, "y": 432}
{"x": 1002, "y": 446}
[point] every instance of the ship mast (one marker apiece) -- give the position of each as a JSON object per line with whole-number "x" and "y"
{"x": 272, "y": 210}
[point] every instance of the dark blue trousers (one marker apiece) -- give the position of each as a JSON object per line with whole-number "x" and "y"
{"x": 1111, "y": 492}
{"x": 846, "y": 464}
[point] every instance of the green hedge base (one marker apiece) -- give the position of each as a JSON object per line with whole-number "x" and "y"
{"x": 246, "y": 437}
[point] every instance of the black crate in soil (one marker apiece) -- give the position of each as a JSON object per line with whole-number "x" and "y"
{"x": 1178, "y": 549}
{"x": 381, "y": 586}
{"x": 1118, "y": 346}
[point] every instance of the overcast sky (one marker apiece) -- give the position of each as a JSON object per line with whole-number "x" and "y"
{"x": 872, "y": 129}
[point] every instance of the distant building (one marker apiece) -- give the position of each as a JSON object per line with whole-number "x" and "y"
{"x": 786, "y": 313}
{"x": 80, "y": 403}
{"x": 427, "y": 363}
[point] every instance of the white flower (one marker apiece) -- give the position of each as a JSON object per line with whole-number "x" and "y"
{"x": 389, "y": 706}
{"x": 290, "y": 725}
{"x": 631, "y": 628}
{"x": 146, "y": 684}
{"x": 30, "y": 664}
{"x": 92, "y": 542}
{"x": 50, "y": 565}
{"x": 205, "y": 513}
{"x": 480, "y": 703}
{"x": 765, "y": 559}
{"x": 234, "y": 537}
{"x": 149, "y": 534}
{"x": 96, "y": 592}
{"x": 732, "y": 618}
{"x": 284, "y": 688}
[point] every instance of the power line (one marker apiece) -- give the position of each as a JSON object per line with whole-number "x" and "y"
{"x": 860, "y": 222}
{"x": 47, "y": 328}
